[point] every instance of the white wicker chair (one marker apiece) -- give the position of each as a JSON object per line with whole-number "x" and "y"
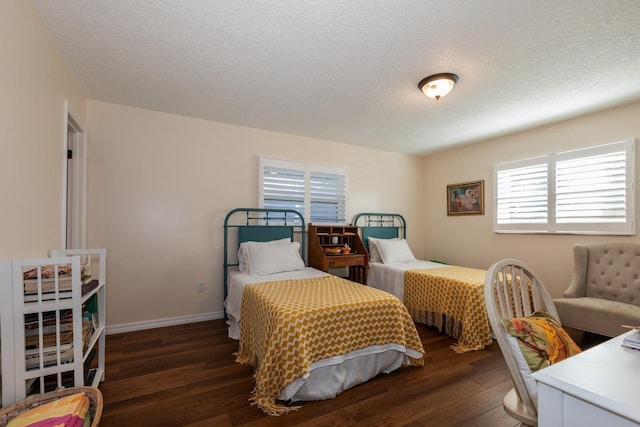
{"x": 513, "y": 290}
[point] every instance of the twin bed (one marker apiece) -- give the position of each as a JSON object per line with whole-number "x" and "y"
{"x": 310, "y": 335}
{"x": 447, "y": 297}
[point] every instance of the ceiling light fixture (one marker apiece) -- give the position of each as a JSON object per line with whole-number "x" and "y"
{"x": 438, "y": 85}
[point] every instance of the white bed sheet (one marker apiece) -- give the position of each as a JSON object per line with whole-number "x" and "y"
{"x": 327, "y": 377}
{"x": 390, "y": 277}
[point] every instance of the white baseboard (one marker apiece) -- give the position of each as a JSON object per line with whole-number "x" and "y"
{"x": 160, "y": 323}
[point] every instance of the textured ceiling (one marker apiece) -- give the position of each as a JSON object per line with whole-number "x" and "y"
{"x": 347, "y": 71}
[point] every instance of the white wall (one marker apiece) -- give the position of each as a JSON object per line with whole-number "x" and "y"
{"x": 35, "y": 84}
{"x": 469, "y": 240}
{"x": 160, "y": 186}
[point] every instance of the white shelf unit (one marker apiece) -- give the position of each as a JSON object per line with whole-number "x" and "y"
{"x": 42, "y": 345}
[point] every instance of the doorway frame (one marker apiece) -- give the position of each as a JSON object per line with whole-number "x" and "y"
{"x": 74, "y": 183}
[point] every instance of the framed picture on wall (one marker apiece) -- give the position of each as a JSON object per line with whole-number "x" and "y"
{"x": 466, "y": 198}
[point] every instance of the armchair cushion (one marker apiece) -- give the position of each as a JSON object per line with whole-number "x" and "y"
{"x": 597, "y": 315}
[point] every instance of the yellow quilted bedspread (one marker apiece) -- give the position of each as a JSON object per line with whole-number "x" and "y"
{"x": 287, "y": 325}
{"x": 451, "y": 299}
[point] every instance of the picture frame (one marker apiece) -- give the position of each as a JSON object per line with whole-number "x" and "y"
{"x": 465, "y": 198}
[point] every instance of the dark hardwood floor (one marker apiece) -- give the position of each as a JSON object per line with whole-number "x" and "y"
{"x": 186, "y": 376}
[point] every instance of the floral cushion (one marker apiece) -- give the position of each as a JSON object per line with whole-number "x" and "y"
{"x": 542, "y": 340}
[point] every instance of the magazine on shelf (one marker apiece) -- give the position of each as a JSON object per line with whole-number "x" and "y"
{"x": 49, "y": 318}
{"x": 65, "y": 325}
{"x": 64, "y": 290}
{"x": 49, "y": 285}
{"x": 48, "y": 340}
{"x": 89, "y": 325}
{"x": 48, "y": 275}
{"x": 32, "y": 356}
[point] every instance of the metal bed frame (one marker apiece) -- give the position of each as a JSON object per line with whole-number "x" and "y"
{"x": 380, "y": 226}
{"x": 259, "y": 225}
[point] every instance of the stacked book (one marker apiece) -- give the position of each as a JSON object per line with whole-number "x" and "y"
{"x": 53, "y": 330}
{"x": 632, "y": 339}
{"x": 50, "y": 356}
{"x": 51, "y": 278}
{"x": 89, "y": 325}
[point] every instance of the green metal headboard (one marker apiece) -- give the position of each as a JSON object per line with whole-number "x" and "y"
{"x": 380, "y": 225}
{"x": 260, "y": 225}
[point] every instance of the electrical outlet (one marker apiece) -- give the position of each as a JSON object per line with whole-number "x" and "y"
{"x": 200, "y": 286}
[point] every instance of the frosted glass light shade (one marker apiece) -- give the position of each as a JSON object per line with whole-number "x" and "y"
{"x": 438, "y": 85}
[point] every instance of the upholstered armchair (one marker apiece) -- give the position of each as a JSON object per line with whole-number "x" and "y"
{"x": 604, "y": 293}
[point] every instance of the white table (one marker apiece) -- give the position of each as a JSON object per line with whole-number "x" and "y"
{"x": 598, "y": 387}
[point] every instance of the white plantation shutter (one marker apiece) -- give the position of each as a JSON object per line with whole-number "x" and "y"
{"x": 328, "y": 197}
{"x": 318, "y": 192}
{"x": 594, "y": 190}
{"x": 586, "y": 191}
{"x": 522, "y": 194}
{"x": 283, "y": 188}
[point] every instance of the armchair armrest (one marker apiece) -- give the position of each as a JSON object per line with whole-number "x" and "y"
{"x": 577, "y": 286}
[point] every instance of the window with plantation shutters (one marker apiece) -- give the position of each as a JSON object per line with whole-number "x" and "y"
{"x": 318, "y": 192}
{"x": 585, "y": 191}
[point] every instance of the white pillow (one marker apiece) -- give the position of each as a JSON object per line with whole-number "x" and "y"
{"x": 394, "y": 251}
{"x": 243, "y": 261}
{"x": 274, "y": 258}
{"x": 374, "y": 254}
